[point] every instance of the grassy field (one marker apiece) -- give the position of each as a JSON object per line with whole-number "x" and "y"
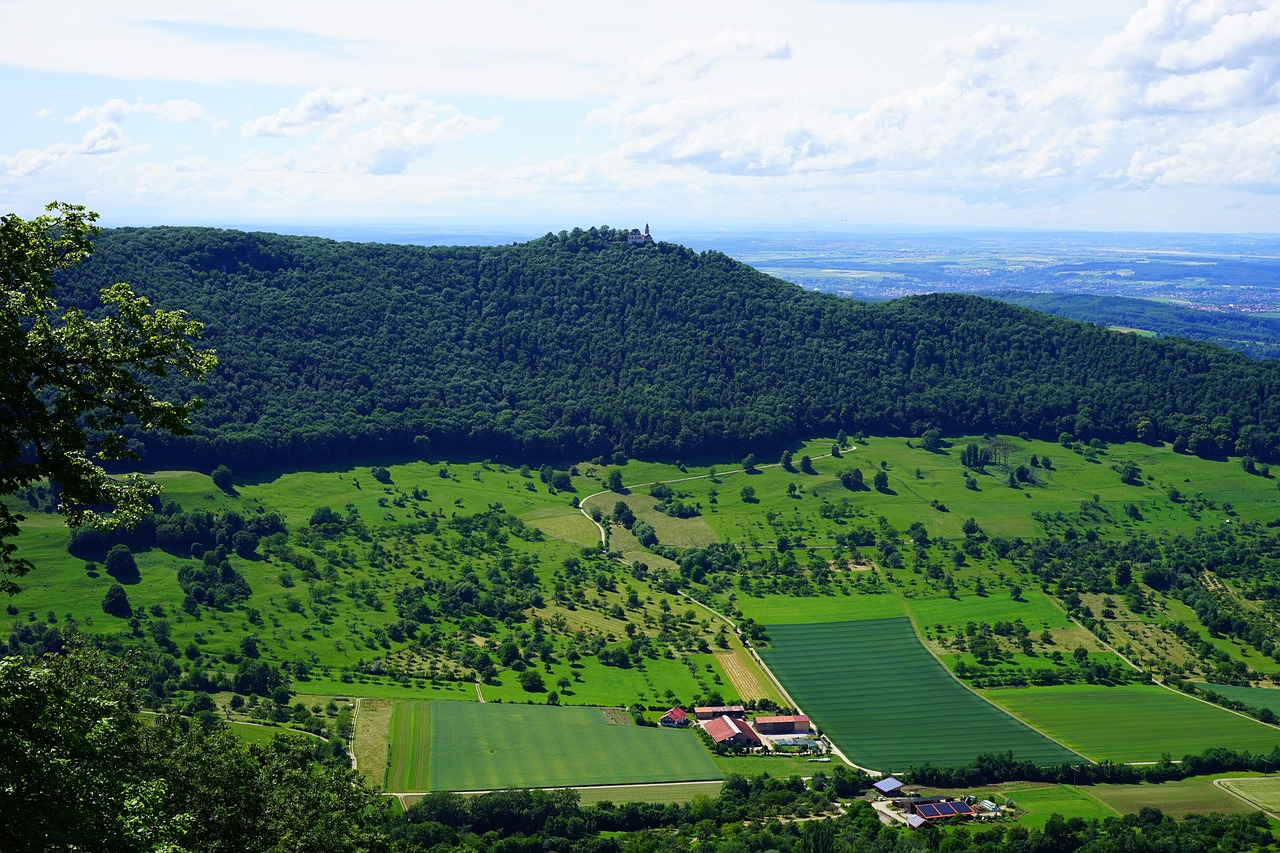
{"x": 679, "y": 793}
{"x": 1262, "y": 791}
{"x": 456, "y": 746}
{"x": 411, "y": 741}
{"x": 788, "y": 610}
{"x": 258, "y": 734}
{"x": 1197, "y": 795}
{"x": 1035, "y": 802}
{"x": 372, "y": 739}
{"x": 1256, "y": 697}
{"x": 1132, "y": 723}
{"x": 887, "y": 703}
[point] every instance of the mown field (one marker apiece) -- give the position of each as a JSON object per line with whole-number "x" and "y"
{"x": 1264, "y": 792}
{"x": 1134, "y": 722}
{"x": 1197, "y": 795}
{"x": 468, "y": 746}
{"x": 887, "y": 703}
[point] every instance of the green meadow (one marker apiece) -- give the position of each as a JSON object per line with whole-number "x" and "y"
{"x": 844, "y": 647}
{"x": 455, "y": 746}
{"x": 887, "y": 703}
{"x": 1135, "y": 722}
{"x": 1197, "y": 795}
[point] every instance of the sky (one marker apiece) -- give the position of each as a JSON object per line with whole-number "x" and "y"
{"x": 708, "y": 115}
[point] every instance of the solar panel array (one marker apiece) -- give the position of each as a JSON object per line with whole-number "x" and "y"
{"x": 936, "y": 810}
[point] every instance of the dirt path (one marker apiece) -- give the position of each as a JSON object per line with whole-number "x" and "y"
{"x": 479, "y": 695}
{"x": 1217, "y": 783}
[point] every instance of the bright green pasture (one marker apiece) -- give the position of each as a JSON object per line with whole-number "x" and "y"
{"x": 1035, "y": 610}
{"x": 1001, "y": 510}
{"x": 887, "y": 703}
{"x": 1041, "y": 803}
{"x": 592, "y": 683}
{"x": 786, "y": 609}
{"x": 777, "y": 765}
{"x": 1133, "y": 723}
{"x": 258, "y": 734}
{"x": 1197, "y": 795}
{"x": 1255, "y": 697}
{"x": 473, "y": 746}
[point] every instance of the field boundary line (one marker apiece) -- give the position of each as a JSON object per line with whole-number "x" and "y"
{"x": 1092, "y": 796}
{"x": 1218, "y": 783}
{"x": 915, "y": 629}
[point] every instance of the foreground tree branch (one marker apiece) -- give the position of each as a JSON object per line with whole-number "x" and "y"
{"x": 70, "y": 384}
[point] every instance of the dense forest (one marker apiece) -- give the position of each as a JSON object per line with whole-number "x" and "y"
{"x": 579, "y": 345}
{"x": 1253, "y": 335}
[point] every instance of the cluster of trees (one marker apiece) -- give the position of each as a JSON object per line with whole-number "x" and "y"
{"x": 81, "y": 770}
{"x": 575, "y": 345}
{"x": 994, "y": 768}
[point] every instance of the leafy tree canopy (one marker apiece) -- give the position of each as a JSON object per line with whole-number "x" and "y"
{"x": 70, "y": 383}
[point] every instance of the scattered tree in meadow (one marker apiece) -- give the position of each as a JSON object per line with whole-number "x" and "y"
{"x": 116, "y": 602}
{"x": 222, "y": 478}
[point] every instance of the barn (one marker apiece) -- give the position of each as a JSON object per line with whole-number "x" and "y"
{"x": 710, "y": 712}
{"x": 790, "y": 724}
{"x": 735, "y": 732}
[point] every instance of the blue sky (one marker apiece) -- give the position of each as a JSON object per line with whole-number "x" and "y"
{"x": 537, "y": 116}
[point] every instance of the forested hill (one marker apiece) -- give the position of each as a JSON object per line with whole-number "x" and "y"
{"x": 579, "y": 345}
{"x": 1250, "y": 334}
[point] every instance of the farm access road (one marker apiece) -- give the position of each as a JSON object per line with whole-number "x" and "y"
{"x": 751, "y": 651}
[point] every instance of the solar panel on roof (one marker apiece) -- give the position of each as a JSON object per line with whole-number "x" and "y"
{"x": 962, "y": 807}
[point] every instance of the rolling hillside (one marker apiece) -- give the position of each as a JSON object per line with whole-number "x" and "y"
{"x": 579, "y": 346}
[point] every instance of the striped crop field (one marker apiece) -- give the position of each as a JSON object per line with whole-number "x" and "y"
{"x": 887, "y": 703}
{"x": 1136, "y": 722}
{"x": 411, "y": 726}
{"x": 469, "y": 746}
{"x": 1255, "y": 697}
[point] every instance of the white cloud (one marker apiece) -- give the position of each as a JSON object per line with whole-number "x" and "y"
{"x": 690, "y": 59}
{"x": 104, "y": 138}
{"x": 1192, "y": 56}
{"x": 115, "y": 109}
{"x": 1224, "y": 154}
{"x": 361, "y": 131}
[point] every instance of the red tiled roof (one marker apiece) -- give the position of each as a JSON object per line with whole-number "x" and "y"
{"x": 725, "y": 727}
{"x": 676, "y": 714}
{"x": 787, "y": 718}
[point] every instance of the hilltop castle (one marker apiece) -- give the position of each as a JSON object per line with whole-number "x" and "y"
{"x": 635, "y": 238}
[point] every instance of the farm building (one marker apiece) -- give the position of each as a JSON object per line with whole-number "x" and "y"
{"x": 675, "y": 718}
{"x": 887, "y": 786}
{"x": 785, "y": 725}
{"x": 710, "y": 712}
{"x": 735, "y": 732}
{"x": 935, "y": 808}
